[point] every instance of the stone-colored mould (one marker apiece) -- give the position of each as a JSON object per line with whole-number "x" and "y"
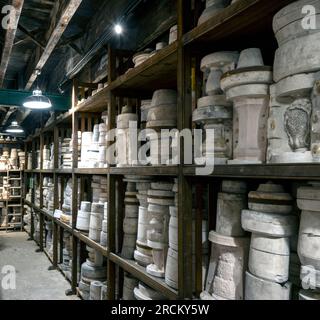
{"x": 269, "y": 258}
{"x": 287, "y": 23}
{"x": 297, "y": 56}
{"x": 309, "y": 276}
{"x": 268, "y": 224}
{"x": 260, "y": 289}
{"x": 229, "y": 214}
{"x": 228, "y": 263}
{"x": 248, "y": 88}
{"x": 309, "y": 239}
{"x": 309, "y": 295}
{"x": 214, "y": 112}
{"x": 250, "y": 57}
{"x": 294, "y": 87}
{"x": 218, "y": 63}
{"x": 270, "y": 198}
{"x": 277, "y": 137}
{"x": 143, "y": 292}
{"x": 212, "y": 8}
{"x": 315, "y": 120}
{"x": 309, "y": 233}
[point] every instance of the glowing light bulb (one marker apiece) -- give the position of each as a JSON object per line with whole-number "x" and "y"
{"x": 118, "y": 29}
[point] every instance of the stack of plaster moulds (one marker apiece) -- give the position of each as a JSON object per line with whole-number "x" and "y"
{"x": 47, "y": 157}
{"x": 94, "y": 146}
{"x": 96, "y": 218}
{"x": 48, "y": 195}
{"x": 135, "y": 290}
{"x": 123, "y": 143}
{"x": 160, "y": 199}
{"x": 143, "y": 253}
{"x": 104, "y": 228}
{"x": 93, "y": 275}
{"x": 309, "y": 241}
{"x": 293, "y": 130}
{"x": 271, "y": 222}
{"x": 67, "y": 200}
{"x": 130, "y": 221}
{"x": 103, "y": 142}
{"x": 38, "y": 160}
{"x": 248, "y": 88}
{"x": 49, "y": 237}
{"x": 213, "y": 110}
{"x": 79, "y": 146}
{"x": 66, "y": 154}
{"x": 229, "y": 250}
{"x": 162, "y": 114}
{"x": 29, "y": 163}
{"x": 144, "y": 292}
{"x": 171, "y": 271}
{"x": 83, "y": 217}
{"x": 212, "y": 8}
{"x": 129, "y": 284}
{"x": 67, "y": 254}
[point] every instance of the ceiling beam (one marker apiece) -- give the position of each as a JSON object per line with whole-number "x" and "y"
{"x": 31, "y": 36}
{"x": 9, "y": 40}
{"x": 54, "y": 35}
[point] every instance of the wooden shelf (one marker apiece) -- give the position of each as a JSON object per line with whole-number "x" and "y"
{"x": 63, "y": 171}
{"x": 262, "y": 171}
{"x": 238, "y": 21}
{"x": 50, "y": 171}
{"x": 95, "y": 103}
{"x": 81, "y": 236}
{"x": 146, "y": 171}
{"x": 12, "y": 142}
{"x": 89, "y": 171}
{"x": 140, "y": 273}
{"x": 63, "y": 225}
{"x": 159, "y": 71}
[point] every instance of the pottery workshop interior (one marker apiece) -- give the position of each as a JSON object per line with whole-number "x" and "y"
{"x": 160, "y": 150}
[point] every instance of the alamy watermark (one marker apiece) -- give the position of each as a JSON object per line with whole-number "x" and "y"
{"x": 132, "y": 146}
{"x": 309, "y": 22}
{"x": 8, "y": 278}
{"x": 9, "y": 21}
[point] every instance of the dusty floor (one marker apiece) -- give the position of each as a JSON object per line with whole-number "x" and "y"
{"x": 33, "y": 280}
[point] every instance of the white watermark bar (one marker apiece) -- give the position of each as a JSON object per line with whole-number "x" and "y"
{"x": 130, "y": 147}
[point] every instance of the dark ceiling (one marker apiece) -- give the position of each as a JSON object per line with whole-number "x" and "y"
{"x": 84, "y": 39}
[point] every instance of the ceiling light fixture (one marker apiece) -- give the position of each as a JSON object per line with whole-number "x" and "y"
{"x": 118, "y": 29}
{"x": 14, "y": 128}
{"x": 37, "y": 101}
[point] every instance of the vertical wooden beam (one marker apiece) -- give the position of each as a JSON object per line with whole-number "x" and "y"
{"x": 55, "y": 195}
{"x": 111, "y": 181}
{"x": 185, "y": 282}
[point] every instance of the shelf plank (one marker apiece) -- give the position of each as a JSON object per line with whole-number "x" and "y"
{"x": 82, "y": 237}
{"x": 239, "y": 19}
{"x": 140, "y": 273}
{"x": 146, "y": 171}
{"x": 63, "y": 171}
{"x": 95, "y": 103}
{"x": 156, "y": 72}
{"x": 90, "y": 171}
{"x": 263, "y": 171}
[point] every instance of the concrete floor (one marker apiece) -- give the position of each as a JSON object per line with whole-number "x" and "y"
{"x": 33, "y": 280}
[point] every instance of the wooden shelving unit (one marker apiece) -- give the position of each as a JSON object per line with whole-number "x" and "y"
{"x": 172, "y": 67}
{"x": 13, "y": 202}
